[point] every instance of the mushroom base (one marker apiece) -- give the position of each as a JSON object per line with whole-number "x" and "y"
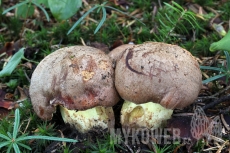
{"x": 86, "y": 120}
{"x": 149, "y": 115}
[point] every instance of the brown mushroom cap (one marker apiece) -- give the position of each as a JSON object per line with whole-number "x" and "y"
{"x": 158, "y": 72}
{"x": 77, "y": 77}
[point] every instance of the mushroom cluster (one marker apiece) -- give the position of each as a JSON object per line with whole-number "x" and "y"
{"x": 152, "y": 78}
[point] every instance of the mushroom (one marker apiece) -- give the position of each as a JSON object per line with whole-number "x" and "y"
{"x": 154, "y": 78}
{"x": 81, "y": 80}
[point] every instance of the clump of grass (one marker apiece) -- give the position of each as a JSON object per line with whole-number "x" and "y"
{"x": 12, "y": 138}
{"x": 200, "y": 47}
{"x": 172, "y": 23}
{"x": 103, "y": 145}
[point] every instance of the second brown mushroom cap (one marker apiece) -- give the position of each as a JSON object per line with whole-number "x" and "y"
{"x": 157, "y": 73}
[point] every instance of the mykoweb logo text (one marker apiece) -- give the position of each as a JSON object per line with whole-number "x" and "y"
{"x": 200, "y": 127}
{"x": 145, "y": 136}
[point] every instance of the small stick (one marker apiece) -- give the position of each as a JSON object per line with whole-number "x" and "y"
{"x": 222, "y": 146}
{"x": 214, "y": 96}
{"x": 131, "y": 150}
{"x": 224, "y": 122}
{"x": 28, "y": 123}
{"x": 225, "y": 111}
{"x": 218, "y": 101}
{"x": 139, "y": 150}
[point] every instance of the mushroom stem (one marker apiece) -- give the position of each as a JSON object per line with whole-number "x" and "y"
{"x": 86, "y": 120}
{"x": 148, "y": 115}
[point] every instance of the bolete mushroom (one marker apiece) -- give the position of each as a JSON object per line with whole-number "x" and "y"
{"x": 153, "y": 79}
{"x": 81, "y": 80}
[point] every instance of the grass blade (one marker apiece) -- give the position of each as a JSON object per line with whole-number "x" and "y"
{"x": 2, "y": 144}
{"x": 166, "y": 15}
{"x": 102, "y": 20}
{"x": 15, "y": 6}
{"x": 189, "y": 22}
{"x": 163, "y": 24}
{"x": 12, "y": 64}
{"x": 213, "y": 78}
{"x": 212, "y": 68}
{"x": 83, "y": 16}
{"x": 10, "y": 136}
{"x": 125, "y": 14}
{"x": 46, "y": 14}
{"x": 191, "y": 16}
{"x": 24, "y": 146}
{"x": 227, "y": 59}
{"x": 46, "y": 138}
{"x": 4, "y": 137}
{"x": 174, "y": 8}
{"x": 9, "y": 148}
{"x": 16, "y": 148}
{"x": 178, "y": 6}
{"x": 16, "y": 124}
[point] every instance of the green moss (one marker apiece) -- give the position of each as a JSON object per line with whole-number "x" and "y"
{"x": 200, "y": 47}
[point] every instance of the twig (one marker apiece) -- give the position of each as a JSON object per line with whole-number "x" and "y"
{"x": 62, "y": 136}
{"x": 139, "y": 150}
{"x": 221, "y": 91}
{"x": 82, "y": 41}
{"x": 214, "y": 96}
{"x": 184, "y": 114}
{"x": 218, "y": 101}
{"x": 31, "y": 61}
{"x": 159, "y": 2}
{"x": 225, "y": 111}
{"x": 131, "y": 150}
{"x": 210, "y": 149}
{"x": 224, "y": 122}
{"x": 27, "y": 77}
{"x": 216, "y": 139}
{"x": 28, "y": 123}
{"x": 222, "y": 146}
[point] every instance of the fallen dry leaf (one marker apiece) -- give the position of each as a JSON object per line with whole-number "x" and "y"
{"x": 23, "y": 93}
{"x": 100, "y": 46}
{"x": 196, "y": 127}
{"x": 3, "y": 113}
{"x": 28, "y": 65}
{"x": 116, "y": 44}
{"x": 8, "y": 104}
{"x": 11, "y": 47}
